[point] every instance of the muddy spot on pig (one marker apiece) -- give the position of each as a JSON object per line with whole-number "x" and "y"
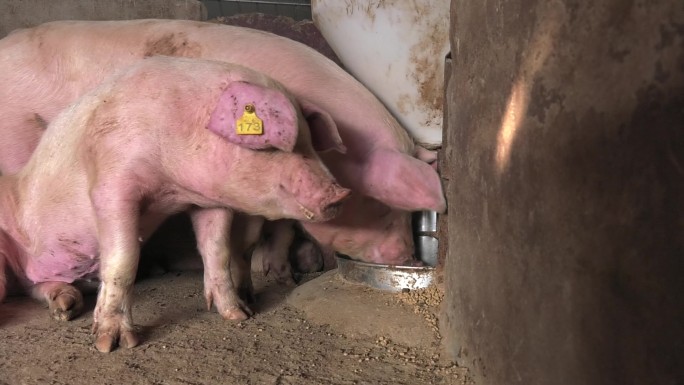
{"x": 172, "y": 44}
{"x": 37, "y": 121}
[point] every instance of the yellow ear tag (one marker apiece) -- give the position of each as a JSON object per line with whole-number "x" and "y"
{"x": 249, "y": 123}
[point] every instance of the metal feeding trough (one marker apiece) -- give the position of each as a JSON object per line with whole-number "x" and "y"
{"x": 397, "y": 278}
{"x": 385, "y": 277}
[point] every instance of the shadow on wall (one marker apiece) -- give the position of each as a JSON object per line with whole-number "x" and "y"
{"x": 565, "y": 260}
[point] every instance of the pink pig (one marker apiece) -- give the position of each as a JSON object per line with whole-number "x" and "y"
{"x": 153, "y": 140}
{"x": 43, "y": 69}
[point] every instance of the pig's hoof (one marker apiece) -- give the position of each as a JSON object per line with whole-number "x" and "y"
{"x": 228, "y": 303}
{"x": 65, "y": 303}
{"x": 238, "y": 313}
{"x": 105, "y": 343}
{"x": 110, "y": 335}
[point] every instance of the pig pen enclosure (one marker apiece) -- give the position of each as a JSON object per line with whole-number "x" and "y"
{"x": 562, "y": 163}
{"x": 324, "y": 330}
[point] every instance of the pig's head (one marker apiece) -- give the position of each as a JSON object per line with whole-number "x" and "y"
{"x": 266, "y": 167}
{"x": 375, "y": 223}
{"x": 369, "y": 231}
{"x": 402, "y": 181}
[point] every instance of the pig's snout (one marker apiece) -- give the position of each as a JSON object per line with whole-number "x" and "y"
{"x": 393, "y": 251}
{"x": 318, "y": 196}
{"x": 332, "y": 208}
{"x": 324, "y": 207}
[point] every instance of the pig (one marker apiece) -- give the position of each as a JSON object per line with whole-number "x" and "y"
{"x": 154, "y": 139}
{"x": 384, "y": 240}
{"x": 42, "y": 69}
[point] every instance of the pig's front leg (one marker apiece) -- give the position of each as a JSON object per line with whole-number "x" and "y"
{"x": 117, "y": 225}
{"x": 212, "y": 229}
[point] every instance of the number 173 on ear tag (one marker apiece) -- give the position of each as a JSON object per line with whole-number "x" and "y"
{"x": 249, "y": 123}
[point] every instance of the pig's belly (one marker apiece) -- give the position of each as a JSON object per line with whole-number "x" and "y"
{"x": 68, "y": 259}
{"x": 75, "y": 255}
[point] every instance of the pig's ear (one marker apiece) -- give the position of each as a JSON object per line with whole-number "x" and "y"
{"x": 324, "y": 134}
{"x": 427, "y": 156}
{"x": 243, "y": 105}
{"x": 403, "y": 182}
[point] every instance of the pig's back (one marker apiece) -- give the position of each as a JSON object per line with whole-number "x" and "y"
{"x": 84, "y": 52}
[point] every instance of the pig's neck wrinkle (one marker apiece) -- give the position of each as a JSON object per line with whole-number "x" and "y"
{"x": 186, "y": 197}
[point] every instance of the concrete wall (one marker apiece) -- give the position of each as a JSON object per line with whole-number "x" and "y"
{"x": 28, "y": 13}
{"x": 565, "y": 157}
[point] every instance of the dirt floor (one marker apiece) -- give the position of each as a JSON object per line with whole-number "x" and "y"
{"x": 185, "y": 344}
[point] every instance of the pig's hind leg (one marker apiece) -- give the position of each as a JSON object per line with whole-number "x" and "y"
{"x": 212, "y": 229}
{"x": 64, "y": 300}
{"x": 274, "y": 249}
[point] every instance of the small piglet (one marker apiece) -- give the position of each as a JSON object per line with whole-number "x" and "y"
{"x": 156, "y": 138}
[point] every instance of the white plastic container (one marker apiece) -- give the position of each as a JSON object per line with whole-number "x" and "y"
{"x": 396, "y": 48}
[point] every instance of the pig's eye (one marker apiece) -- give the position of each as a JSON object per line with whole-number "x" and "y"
{"x": 268, "y": 149}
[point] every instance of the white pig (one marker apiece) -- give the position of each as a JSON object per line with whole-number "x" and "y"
{"x": 155, "y": 139}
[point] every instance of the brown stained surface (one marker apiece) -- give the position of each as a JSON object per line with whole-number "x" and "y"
{"x": 425, "y": 56}
{"x": 426, "y": 59}
{"x": 185, "y": 344}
